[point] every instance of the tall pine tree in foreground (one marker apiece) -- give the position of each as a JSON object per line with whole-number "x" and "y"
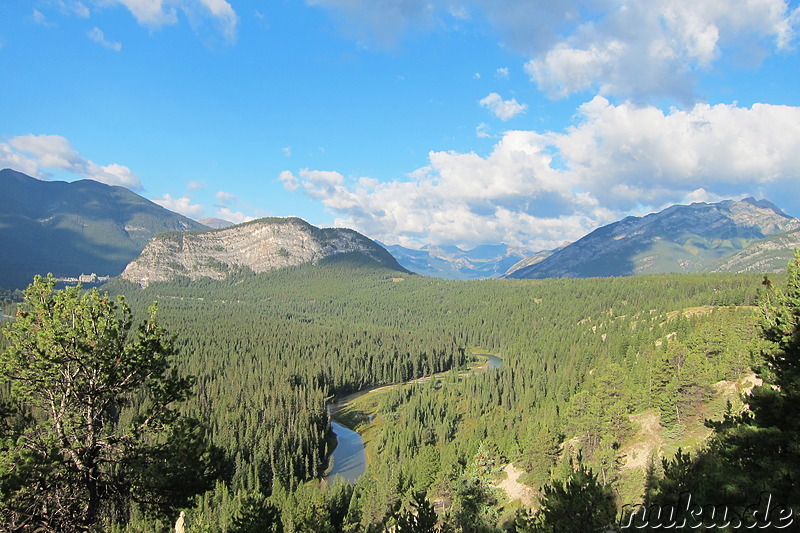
{"x": 90, "y": 423}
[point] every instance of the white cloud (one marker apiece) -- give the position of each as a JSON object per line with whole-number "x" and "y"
{"x": 647, "y": 49}
{"x": 503, "y": 109}
{"x": 502, "y": 73}
{"x": 76, "y": 7}
{"x": 706, "y": 146}
{"x": 237, "y": 217}
{"x": 290, "y": 182}
{"x": 702, "y": 195}
{"x": 97, "y": 35}
{"x": 155, "y": 14}
{"x": 39, "y": 18}
{"x": 196, "y": 185}
{"x": 537, "y": 190}
{"x": 35, "y": 154}
{"x": 225, "y": 198}
{"x": 180, "y": 205}
{"x": 151, "y": 13}
{"x": 224, "y": 14}
{"x": 639, "y": 49}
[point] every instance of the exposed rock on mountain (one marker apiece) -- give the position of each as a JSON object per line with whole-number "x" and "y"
{"x": 260, "y": 245}
{"x": 73, "y": 228}
{"x": 681, "y": 238}
{"x": 768, "y": 255}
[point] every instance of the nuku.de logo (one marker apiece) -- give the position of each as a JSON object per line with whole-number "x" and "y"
{"x": 767, "y": 513}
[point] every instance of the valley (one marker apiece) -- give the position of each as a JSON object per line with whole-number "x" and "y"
{"x": 579, "y": 357}
{"x": 605, "y": 381}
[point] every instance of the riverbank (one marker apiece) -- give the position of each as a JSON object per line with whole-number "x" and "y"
{"x": 356, "y": 415}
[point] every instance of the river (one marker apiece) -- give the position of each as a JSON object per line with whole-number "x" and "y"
{"x": 349, "y": 459}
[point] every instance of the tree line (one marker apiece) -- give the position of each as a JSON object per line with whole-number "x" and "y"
{"x": 268, "y": 351}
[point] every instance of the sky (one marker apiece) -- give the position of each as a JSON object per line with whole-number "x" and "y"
{"x": 438, "y": 122}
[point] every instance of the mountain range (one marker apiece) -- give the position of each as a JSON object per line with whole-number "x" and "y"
{"x": 72, "y": 228}
{"x": 451, "y": 262}
{"x": 85, "y": 226}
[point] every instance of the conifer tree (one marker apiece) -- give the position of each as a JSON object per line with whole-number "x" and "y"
{"x": 75, "y": 369}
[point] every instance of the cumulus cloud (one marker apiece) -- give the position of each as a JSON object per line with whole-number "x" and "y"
{"x": 36, "y": 154}
{"x": 707, "y": 146}
{"x": 503, "y": 109}
{"x": 97, "y": 35}
{"x": 225, "y": 201}
{"x": 237, "y": 217}
{"x": 639, "y": 49}
{"x": 290, "y": 182}
{"x": 182, "y": 205}
{"x": 155, "y": 14}
{"x": 536, "y": 190}
{"x": 646, "y": 49}
{"x": 225, "y": 198}
{"x": 482, "y": 131}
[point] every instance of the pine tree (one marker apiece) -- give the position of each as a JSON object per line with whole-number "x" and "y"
{"x": 76, "y": 369}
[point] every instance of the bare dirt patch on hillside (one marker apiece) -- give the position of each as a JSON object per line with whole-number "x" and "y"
{"x": 648, "y": 439}
{"x": 513, "y": 489}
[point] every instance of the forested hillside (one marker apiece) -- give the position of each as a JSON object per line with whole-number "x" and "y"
{"x": 74, "y": 228}
{"x": 579, "y": 357}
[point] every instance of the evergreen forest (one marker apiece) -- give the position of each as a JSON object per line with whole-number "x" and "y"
{"x": 615, "y": 396}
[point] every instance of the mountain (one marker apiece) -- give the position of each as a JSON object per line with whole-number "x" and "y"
{"x": 73, "y": 228}
{"x": 451, "y": 262}
{"x": 769, "y": 255}
{"x": 681, "y": 238}
{"x": 530, "y": 260}
{"x": 259, "y": 245}
{"x": 214, "y": 223}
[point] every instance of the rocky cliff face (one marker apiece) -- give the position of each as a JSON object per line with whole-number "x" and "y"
{"x": 260, "y": 245}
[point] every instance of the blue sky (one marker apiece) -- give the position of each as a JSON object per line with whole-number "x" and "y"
{"x": 415, "y": 122}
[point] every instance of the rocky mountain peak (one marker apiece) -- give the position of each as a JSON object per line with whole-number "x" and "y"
{"x": 259, "y": 245}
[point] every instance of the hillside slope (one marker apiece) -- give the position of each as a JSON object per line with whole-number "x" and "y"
{"x": 769, "y": 255}
{"x": 259, "y": 245}
{"x": 73, "y": 228}
{"x": 681, "y": 238}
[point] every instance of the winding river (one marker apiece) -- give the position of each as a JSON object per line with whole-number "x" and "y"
{"x": 349, "y": 459}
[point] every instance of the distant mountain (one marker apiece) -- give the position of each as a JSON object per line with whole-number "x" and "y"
{"x": 214, "y": 223}
{"x": 681, "y": 238}
{"x": 531, "y": 260}
{"x": 451, "y": 262}
{"x": 73, "y": 228}
{"x": 259, "y": 245}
